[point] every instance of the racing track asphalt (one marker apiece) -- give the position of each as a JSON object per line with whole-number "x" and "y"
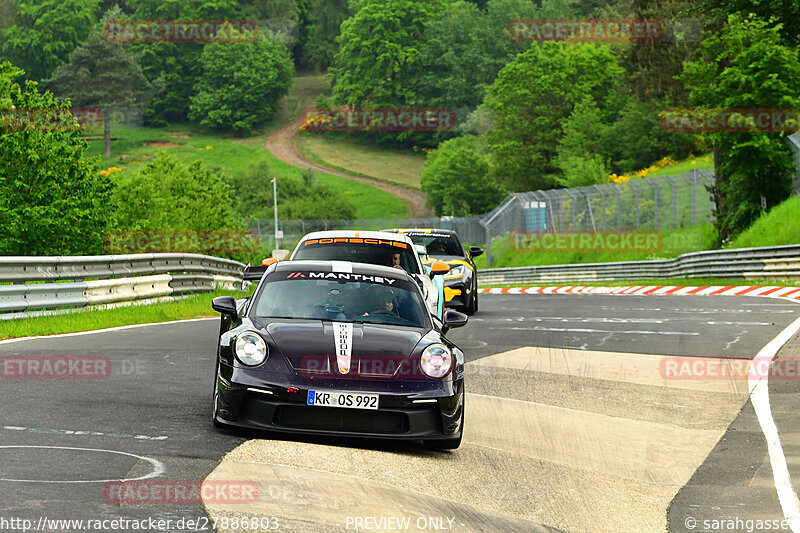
{"x": 545, "y": 448}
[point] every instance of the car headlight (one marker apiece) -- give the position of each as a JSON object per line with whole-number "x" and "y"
{"x": 436, "y": 361}
{"x": 251, "y": 349}
{"x": 456, "y": 272}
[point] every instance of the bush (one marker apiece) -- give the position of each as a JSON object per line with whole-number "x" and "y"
{"x": 170, "y": 195}
{"x": 298, "y": 198}
{"x": 241, "y": 85}
{"x": 52, "y": 199}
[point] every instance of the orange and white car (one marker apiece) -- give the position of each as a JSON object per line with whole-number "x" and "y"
{"x": 377, "y": 248}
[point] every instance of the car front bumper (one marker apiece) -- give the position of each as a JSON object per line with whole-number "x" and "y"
{"x": 457, "y": 292}
{"x": 423, "y": 410}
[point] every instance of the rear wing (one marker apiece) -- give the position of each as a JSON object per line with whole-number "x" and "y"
{"x": 253, "y": 273}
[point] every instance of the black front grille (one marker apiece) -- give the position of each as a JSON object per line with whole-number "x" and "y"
{"x": 334, "y": 419}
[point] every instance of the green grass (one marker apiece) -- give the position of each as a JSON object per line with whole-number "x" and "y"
{"x": 780, "y": 225}
{"x": 675, "y": 242}
{"x": 235, "y": 156}
{"x": 702, "y": 162}
{"x": 195, "y": 306}
{"x": 348, "y": 154}
{"x": 302, "y": 94}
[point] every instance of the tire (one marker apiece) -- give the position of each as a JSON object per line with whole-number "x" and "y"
{"x": 215, "y": 399}
{"x": 472, "y": 307}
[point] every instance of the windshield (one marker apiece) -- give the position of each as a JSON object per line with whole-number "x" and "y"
{"x": 376, "y": 252}
{"x": 341, "y": 297}
{"x": 438, "y": 244}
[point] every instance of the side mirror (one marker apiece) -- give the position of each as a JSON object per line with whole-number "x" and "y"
{"x": 439, "y": 268}
{"x": 225, "y": 305}
{"x": 453, "y": 319}
{"x": 475, "y": 251}
{"x": 272, "y": 260}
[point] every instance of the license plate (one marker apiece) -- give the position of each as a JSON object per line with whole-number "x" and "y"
{"x": 348, "y": 400}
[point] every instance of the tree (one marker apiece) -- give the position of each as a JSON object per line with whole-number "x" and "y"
{"x": 297, "y": 198}
{"x": 379, "y": 59}
{"x": 241, "y": 85}
{"x": 325, "y": 19}
{"x": 52, "y": 199}
{"x": 46, "y": 32}
{"x": 785, "y": 12}
{"x": 465, "y": 48}
{"x": 455, "y": 179}
{"x": 652, "y": 66}
{"x": 580, "y": 151}
{"x": 175, "y": 65}
{"x": 533, "y": 96}
{"x": 746, "y": 66}
{"x": 636, "y": 138}
{"x": 101, "y": 74}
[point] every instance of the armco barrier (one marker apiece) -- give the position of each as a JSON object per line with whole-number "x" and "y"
{"x": 770, "y": 262}
{"x": 78, "y": 281}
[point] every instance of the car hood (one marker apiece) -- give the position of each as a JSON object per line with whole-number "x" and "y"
{"x": 311, "y": 347}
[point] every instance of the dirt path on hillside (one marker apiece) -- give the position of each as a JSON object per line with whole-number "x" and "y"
{"x": 282, "y": 142}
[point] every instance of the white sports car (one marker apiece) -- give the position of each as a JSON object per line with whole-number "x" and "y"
{"x": 376, "y": 248}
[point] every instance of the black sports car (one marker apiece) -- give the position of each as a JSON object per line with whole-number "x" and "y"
{"x": 461, "y": 283}
{"x": 338, "y": 348}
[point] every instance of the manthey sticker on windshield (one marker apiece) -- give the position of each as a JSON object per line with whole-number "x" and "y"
{"x": 342, "y": 276}
{"x": 343, "y": 339}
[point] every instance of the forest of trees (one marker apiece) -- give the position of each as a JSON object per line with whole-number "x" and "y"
{"x": 532, "y": 115}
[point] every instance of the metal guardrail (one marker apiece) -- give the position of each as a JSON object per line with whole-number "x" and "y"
{"x": 78, "y": 281}
{"x": 770, "y": 262}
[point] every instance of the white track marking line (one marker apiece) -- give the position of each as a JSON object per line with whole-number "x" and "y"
{"x": 759, "y": 396}
{"x": 588, "y": 330}
{"x": 106, "y": 330}
{"x": 158, "y": 466}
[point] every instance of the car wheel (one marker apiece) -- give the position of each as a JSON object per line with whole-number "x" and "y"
{"x": 215, "y": 404}
{"x": 472, "y": 306}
